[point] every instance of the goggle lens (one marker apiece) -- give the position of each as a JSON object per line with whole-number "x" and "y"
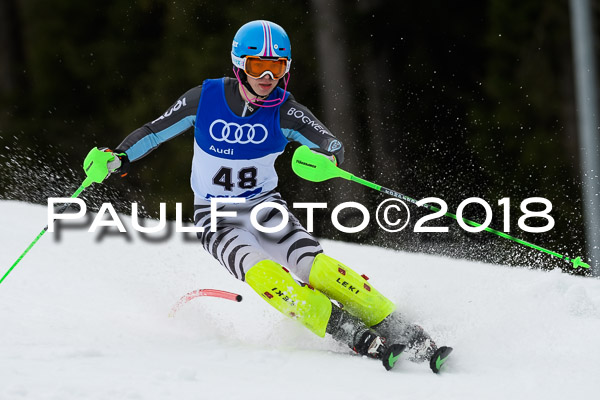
{"x": 256, "y": 67}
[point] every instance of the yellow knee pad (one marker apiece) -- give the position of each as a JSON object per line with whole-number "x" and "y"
{"x": 275, "y": 284}
{"x": 357, "y": 296}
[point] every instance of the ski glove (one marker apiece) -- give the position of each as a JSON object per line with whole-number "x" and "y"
{"x": 325, "y": 154}
{"x": 120, "y": 164}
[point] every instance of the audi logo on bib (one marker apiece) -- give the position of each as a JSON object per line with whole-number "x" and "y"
{"x": 231, "y": 132}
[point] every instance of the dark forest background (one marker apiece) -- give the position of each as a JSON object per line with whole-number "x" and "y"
{"x": 431, "y": 98}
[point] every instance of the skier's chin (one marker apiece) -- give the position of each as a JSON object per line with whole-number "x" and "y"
{"x": 263, "y": 86}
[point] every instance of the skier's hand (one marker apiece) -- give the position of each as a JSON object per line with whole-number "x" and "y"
{"x": 101, "y": 162}
{"x": 325, "y": 154}
{"x": 119, "y": 164}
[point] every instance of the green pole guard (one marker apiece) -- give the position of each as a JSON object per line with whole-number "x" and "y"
{"x": 95, "y": 166}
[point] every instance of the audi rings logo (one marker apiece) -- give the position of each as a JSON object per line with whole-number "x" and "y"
{"x": 235, "y": 133}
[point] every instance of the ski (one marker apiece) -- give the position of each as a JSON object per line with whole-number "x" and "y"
{"x": 391, "y": 355}
{"x": 438, "y": 359}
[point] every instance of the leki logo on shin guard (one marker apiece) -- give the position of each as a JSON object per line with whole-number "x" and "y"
{"x": 283, "y": 296}
{"x": 347, "y": 285}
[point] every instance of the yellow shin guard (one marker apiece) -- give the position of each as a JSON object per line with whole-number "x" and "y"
{"x": 357, "y": 296}
{"x": 275, "y": 284}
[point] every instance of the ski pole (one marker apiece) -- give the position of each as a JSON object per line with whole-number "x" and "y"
{"x": 97, "y": 174}
{"x": 316, "y": 168}
{"x": 60, "y": 211}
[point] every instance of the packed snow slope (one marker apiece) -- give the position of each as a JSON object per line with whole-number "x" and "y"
{"x": 87, "y": 317}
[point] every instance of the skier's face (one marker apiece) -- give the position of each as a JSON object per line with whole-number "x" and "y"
{"x": 263, "y": 86}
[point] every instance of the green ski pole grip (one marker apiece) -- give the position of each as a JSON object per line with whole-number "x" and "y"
{"x": 95, "y": 166}
{"x": 315, "y": 167}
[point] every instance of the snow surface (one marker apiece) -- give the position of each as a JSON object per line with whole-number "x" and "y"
{"x": 87, "y": 317}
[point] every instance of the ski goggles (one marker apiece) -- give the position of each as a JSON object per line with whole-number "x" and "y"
{"x": 257, "y": 67}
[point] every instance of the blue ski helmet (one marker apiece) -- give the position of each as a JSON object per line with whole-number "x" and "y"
{"x": 260, "y": 38}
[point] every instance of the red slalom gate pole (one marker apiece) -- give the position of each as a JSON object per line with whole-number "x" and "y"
{"x": 204, "y": 293}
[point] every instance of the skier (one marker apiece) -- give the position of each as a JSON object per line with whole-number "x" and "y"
{"x": 240, "y": 126}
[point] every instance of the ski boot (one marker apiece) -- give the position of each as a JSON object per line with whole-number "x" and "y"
{"x": 348, "y": 329}
{"x": 419, "y": 345}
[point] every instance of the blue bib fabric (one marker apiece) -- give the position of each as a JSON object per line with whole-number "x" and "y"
{"x": 234, "y": 156}
{"x": 220, "y": 132}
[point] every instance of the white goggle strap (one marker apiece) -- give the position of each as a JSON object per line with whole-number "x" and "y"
{"x": 239, "y": 62}
{"x": 287, "y": 67}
